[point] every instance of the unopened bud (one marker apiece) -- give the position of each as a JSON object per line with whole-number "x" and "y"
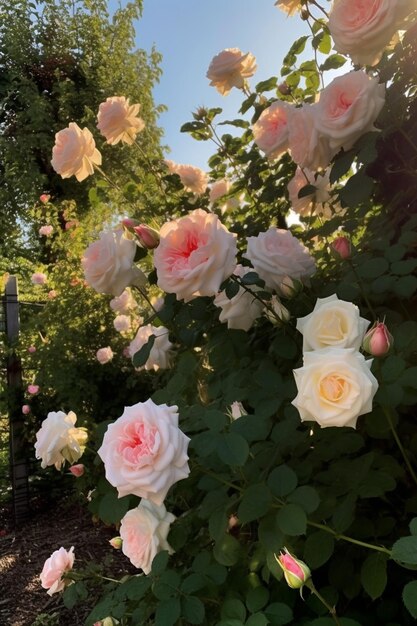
{"x": 109, "y": 621}
{"x": 289, "y": 287}
{"x": 236, "y": 410}
{"x": 341, "y": 246}
{"x": 44, "y": 198}
{"x": 148, "y": 237}
{"x": 129, "y": 222}
{"x": 116, "y": 543}
{"x": 200, "y": 114}
{"x": 277, "y": 313}
{"x": 77, "y": 470}
{"x": 378, "y": 340}
{"x": 25, "y": 409}
{"x": 296, "y": 572}
{"x": 284, "y": 89}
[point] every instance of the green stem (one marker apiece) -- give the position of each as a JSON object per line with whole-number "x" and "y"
{"x": 362, "y": 290}
{"x": 357, "y": 542}
{"x": 399, "y": 444}
{"x": 331, "y": 609}
{"x": 221, "y": 480}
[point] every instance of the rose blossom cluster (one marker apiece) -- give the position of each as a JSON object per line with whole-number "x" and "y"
{"x": 335, "y": 384}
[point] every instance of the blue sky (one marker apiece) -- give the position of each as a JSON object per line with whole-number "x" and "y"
{"x": 189, "y": 33}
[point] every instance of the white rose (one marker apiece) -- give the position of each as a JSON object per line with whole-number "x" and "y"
{"x": 313, "y": 203}
{"x": 243, "y": 309}
{"x": 348, "y": 108}
{"x": 335, "y": 386}
{"x": 309, "y": 148}
{"x": 332, "y": 322}
{"x": 160, "y": 354}
{"x": 278, "y": 257}
{"x": 270, "y": 131}
{"x": 58, "y": 440}
{"x": 108, "y": 263}
{"x": 229, "y": 69}
{"x": 144, "y": 531}
{"x": 236, "y": 410}
{"x": 104, "y": 355}
{"x": 122, "y": 323}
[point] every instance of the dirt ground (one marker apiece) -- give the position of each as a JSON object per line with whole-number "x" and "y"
{"x": 24, "y": 550}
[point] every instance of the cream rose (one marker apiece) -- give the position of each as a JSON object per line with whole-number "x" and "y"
{"x": 278, "y": 257}
{"x": 161, "y": 351}
{"x": 364, "y": 29}
{"x": 122, "y": 323}
{"x": 144, "y": 531}
{"x": 108, "y": 263}
{"x": 219, "y": 189}
{"x": 192, "y": 178}
{"x": 243, "y": 309}
{"x": 104, "y": 355}
{"x": 75, "y": 153}
{"x": 144, "y": 452}
{"x": 313, "y": 203}
{"x": 348, "y": 108}
{"x": 118, "y": 120}
{"x": 335, "y": 386}
{"x": 195, "y": 255}
{"x": 58, "y": 440}
{"x": 308, "y": 148}
{"x": 289, "y": 6}
{"x": 229, "y": 69}
{"x": 332, "y": 323}
{"x": 270, "y": 131}
{"x": 60, "y": 562}
{"x": 124, "y": 303}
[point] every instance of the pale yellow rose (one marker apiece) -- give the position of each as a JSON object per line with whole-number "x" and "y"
{"x": 289, "y": 6}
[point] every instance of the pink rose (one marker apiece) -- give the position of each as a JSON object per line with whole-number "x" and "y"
{"x": 348, "y": 108}
{"x": 193, "y": 178}
{"x": 229, "y": 69}
{"x": 52, "y": 294}
{"x": 195, "y": 255}
{"x": 122, "y": 323}
{"x": 60, "y": 562}
{"x": 219, "y": 189}
{"x": 278, "y": 257}
{"x": 71, "y": 224}
{"x": 75, "y": 153}
{"x": 104, "y": 355}
{"x": 296, "y": 572}
{"x": 38, "y": 278}
{"x": 118, "y": 120}
{"x": 308, "y": 148}
{"x": 77, "y": 470}
{"x": 289, "y": 6}
{"x": 123, "y": 303}
{"x": 109, "y": 263}
{"x": 313, "y": 203}
{"x": 144, "y": 452}
{"x": 25, "y": 409}
{"x": 31, "y": 349}
{"x": 46, "y": 230}
{"x": 144, "y": 531}
{"x": 378, "y": 340}
{"x": 33, "y": 389}
{"x": 364, "y": 29}
{"x": 241, "y": 311}
{"x": 270, "y": 131}
{"x": 148, "y": 237}
{"x": 44, "y": 198}
{"x": 160, "y": 354}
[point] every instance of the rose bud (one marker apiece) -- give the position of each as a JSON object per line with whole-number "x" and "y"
{"x": 32, "y": 389}
{"x": 31, "y": 349}
{"x": 129, "y": 222}
{"x": 378, "y": 340}
{"x": 25, "y": 409}
{"x": 116, "y": 543}
{"x": 296, "y": 572}
{"x": 277, "y": 313}
{"x": 44, "y": 198}
{"x": 77, "y": 470}
{"x": 284, "y": 89}
{"x": 148, "y": 237}
{"x": 341, "y": 246}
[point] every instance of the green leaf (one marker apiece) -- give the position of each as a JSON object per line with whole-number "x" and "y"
{"x": 405, "y": 550}
{"x": 193, "y": 610}
{"x": 76, "y": 592}
{"x": 193, "y": 583}
{"x": 141, "y": 356}
{"x": 307, "y": 497}
{"x": 159, "y": 563}
{"x": 167, "y": 612}
{"x": 279, "y": 614}
{"x": 318, "y": 548}
{"x": 333, "y": 62}
{"x": 374, "y": 575}
{"x": 358, "y": 189}
{"x": 237, "y": 123}
{"x": 410, "y": 597}
{"x": 406, "y": 286}
{"x": 257, "y": 598}
{"x": 246, "y": 104}
{"x": 282, "y": 481}
{"x": 292, "y": 520}
{"x": 227, "y": 550}
{"x": 232, "y": 289}
{"x": 413, "y": 526}
{"x": 255, "y": 503}
{"x": 267, "y": 85}
{"x": 112, "y": 509}
{"x": 307, "y": 190}
{"x": 342, "y": 165}
{"x": 344, "y": 513}
{"x": 233, "y": 449}
{"x": 234, "y": 609}
{"x": 257, "y": 619}
{"x": 373, "y": 268}
{"x": 167, "y": 585}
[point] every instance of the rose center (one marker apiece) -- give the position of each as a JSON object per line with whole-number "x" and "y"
{"x": 333, "y": 388}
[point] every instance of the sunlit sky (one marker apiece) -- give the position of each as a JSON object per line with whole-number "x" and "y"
{"x": 189, "y": 33}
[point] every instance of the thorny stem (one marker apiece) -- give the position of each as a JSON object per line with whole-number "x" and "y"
{"x": 399, "y": 444}
{"x": 331, "y": 609}
{"x": 256, "y": 297}
{"x": 357, "y": 542}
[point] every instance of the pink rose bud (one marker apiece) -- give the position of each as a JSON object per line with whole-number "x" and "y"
{"x": 378, "y": 340}
{"x": 52, "y": 294}
{"x": 31, "y": 349}
{"x": 25, "y": 409}
{"x": 341, "y": 246}
{"x": 116, "y": 543}
{"x": 296, "y": 572}
{"x": 284, "y": 89}
{"x": 129, "y": 222}
{"x": 33, "y": 389}
{"x": 44, "y": 198}
{"x": 148, "y": 237}
{"x": 77, "y": 470}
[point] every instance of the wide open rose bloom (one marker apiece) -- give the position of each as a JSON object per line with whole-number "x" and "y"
{"x": 58, "y": 440}
{"x": 104, "y": 355}
{"x": 75, "y": 152}
{"x": 278, "y": 258}
{"x": 348, "y": 108}
{"x": 219, "y": 189}
{"x": 243, "y": 309}
{"x": 195, "y": 255}
{"x": 108, "y": 263}
{"x": 144, "y": 531}
{"x": 270, "y": 131}
{"x": 332, "y": 323}
{"x": 308, "y": 148}
{"x": 335, "y": 386}
{"x": 192, "y": 178}
{"x": 229, "y": 69}
{"x": 313, "y": 202}
{"x": 118, "y": 120}
{"x": 144, "y": 452}
{"x": 364, "y": 29}
{"x": 60, "y": 562}
{"x": 160, "y": 354}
